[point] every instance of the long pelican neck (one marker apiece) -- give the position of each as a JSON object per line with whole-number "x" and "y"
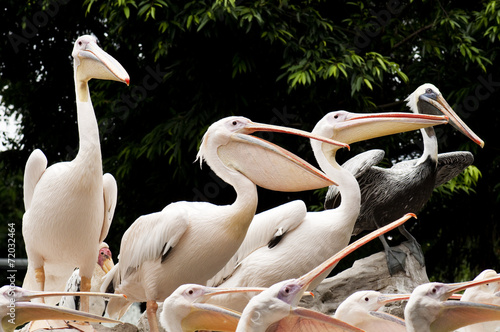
{"x": 244, "y": 207}
{"x": 430, "y": 146}
{"x": 90, "y": 148}
{"x": 348, "y": 186}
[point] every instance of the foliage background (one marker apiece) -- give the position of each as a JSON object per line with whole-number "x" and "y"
{"x": 283, "y": 62}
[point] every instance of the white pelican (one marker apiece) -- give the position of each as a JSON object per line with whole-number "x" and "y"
{"x": 360, "y": 309}
{"x": 383, "y": 188}
{"x": 15, "y": 308}
{"x": 275, "y": 309}
{"x": 429, "y": 311}
{"x": 70, "y": 205}
{"x": 188, "y": 242}
{"x": 264, "y": 257}
{"x": 185, "y": 310}
{"x": 486, "y": 293}
{"x": 97, "y": 305}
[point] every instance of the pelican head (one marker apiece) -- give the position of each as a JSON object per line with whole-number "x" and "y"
{"x": 425, "y": 303}
{"x": 91, "y": 61}
{"x": 351, "y": 127}
{"x": 228, "y": 145}
{"x": 185, "y": 309}
{"x": 105, "y": 259}
{"x": 370, "y": 300}
{"x": 427, "y": 99}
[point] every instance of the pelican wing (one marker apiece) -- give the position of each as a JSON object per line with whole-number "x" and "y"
{"x": 152, "y": 236}
{"x": 267, "y": 228}
{"x": 35, "y": 167}
{"x": 306, "y": 320}
{"x": 451, "y": 164}
{"x": 456, "y": 314}
{"x": 210, "y": 317}
{"x": 357, "y": 166}
{"x": 110, "y": 191}
{"x": 28, "y": 311}
{"x": 382, "y": 321}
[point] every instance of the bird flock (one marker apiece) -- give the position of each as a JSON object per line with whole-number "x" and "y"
{"x": 226, "y": 268}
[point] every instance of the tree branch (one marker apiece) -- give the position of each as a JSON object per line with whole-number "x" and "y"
{"x": 413, "y": 34}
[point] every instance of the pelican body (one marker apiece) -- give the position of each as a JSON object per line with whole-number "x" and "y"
{"x": 70, "y": 205}
{"x": 188, "y": 242}
{"x": 382, "y": 189}
{"x": 264, "y": 257}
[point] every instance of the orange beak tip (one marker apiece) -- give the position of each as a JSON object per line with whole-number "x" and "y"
{"x": 127, "y": 80}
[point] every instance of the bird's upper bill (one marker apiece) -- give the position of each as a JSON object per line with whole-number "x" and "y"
{"x": 93, "y": 62}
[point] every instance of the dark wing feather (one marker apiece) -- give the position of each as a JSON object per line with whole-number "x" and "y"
{"x": 451, "y": 164}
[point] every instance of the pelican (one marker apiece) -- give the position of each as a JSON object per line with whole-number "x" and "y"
{"x": 361, "y": 310}
{"x": 429, "y": 311}
{"x": 97, "y": 305}
{"x": 185, "y": 310}
{"x": 70, "y": 205}
{"x": 188, "y": 242}
{"x": 486, "y": 293}
{"x": 275, "y": 309}
{"x": 264, "y": 257}
{"x": 16, "y": 310}
{"x": 383, "y": 188}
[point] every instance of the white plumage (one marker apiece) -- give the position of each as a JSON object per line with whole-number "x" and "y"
{"x": 70, "y": 205}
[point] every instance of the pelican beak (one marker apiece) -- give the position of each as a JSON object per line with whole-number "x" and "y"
{"x": 107, "y": 264}
{"x": 27, "y": 311}
{"x": 442, "y": 106}
{"x": 306, "y": 280}
{"x": 363, "y": 126}
{"x": 212, "y": 291}
{"x": 20, "y": 294}
{"x": 456, "y": 287}
{"x": 270, "y": 166}
{"x": 103, "y": 65}
{"x": 383, "y": 299}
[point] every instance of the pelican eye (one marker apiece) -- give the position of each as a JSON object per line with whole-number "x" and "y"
{"x": 434, "y": 290}
{"x": 235, "y": 123}
{"x": 336, "y": 116}
{"x": 190, "y": 292}
{"x": 367, "y": 299}
{"x": 429, "y": 90}
{"x": 80, "y": 43}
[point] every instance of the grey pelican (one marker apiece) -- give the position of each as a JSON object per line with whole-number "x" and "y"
{"x": 15, "y": 308}
{"x": 382, "y": 189}
{"x": 188, "y": 242}
{"x": 275, "y": 309}
{"x": 486, "y": 293}
{"x": 360, "y": 309}
{"x": 264, "y": 257}
{"x": 429, "y": 311}
{"x": 97, "y": 305}
{"x": 185, "y": 310}
{"x": 71, "y": 203}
